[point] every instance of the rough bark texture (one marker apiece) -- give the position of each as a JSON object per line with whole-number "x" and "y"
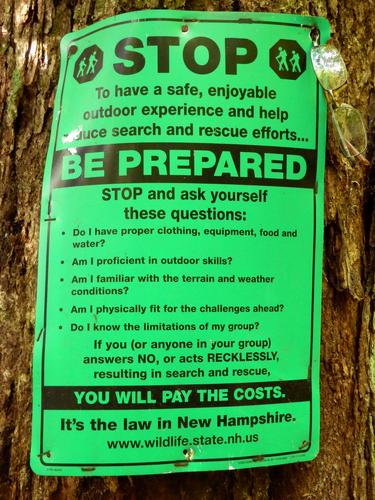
{"x": 29, "y": 62}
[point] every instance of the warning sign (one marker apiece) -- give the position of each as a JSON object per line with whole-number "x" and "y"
{"x": 179, "y": 285}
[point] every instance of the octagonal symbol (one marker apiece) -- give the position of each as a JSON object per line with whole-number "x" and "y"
{"x": 288, "y": 59}
{"x": 88, "y": 65}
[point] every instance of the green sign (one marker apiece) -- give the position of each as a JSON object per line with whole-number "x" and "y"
{"x": 179, "y": 286}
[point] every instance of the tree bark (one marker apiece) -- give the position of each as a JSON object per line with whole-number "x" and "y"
{"x": 29, "y": 63}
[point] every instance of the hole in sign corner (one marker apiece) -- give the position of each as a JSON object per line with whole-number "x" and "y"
{"x": 188, "y": 454}
{"x": 72, "y": 50}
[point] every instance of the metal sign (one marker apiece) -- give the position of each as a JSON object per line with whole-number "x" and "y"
{"x": 179, "y": 284}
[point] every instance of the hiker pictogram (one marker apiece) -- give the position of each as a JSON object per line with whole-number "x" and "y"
{"x": 281, "y": 59}
{"x": 294, "y": 60}
{"x": 88, "y": 65}
{"x": 92, "y": 63}
{"x": 288, "y": 59}
{"x": 82, "y": 68}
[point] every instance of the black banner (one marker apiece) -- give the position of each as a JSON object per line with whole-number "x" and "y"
{"x": 168, "y": 396}
{"x": 184, "y": 163}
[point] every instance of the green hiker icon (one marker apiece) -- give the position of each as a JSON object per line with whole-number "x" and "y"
{"x": 92, "y": 63}
{"x": 287, "y": 59}
{"x": 281, "y": 59}
{"x": 82, "y": 67}
{"x": 294, "y": 61}
{"x": 88, "y": 65}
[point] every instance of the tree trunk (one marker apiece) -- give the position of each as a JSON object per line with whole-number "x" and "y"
{"x": 29, "y": 63}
